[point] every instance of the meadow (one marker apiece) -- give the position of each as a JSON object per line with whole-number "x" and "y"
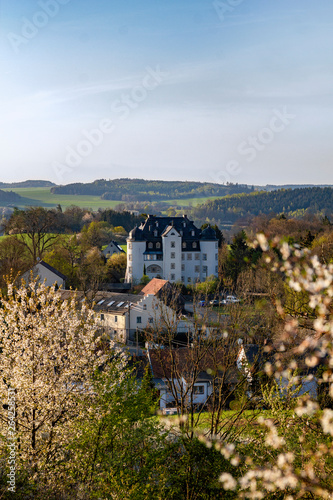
{"x": 42, "y": 196}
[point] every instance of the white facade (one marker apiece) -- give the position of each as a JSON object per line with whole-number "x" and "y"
{"x": 45, "y": 273}
{"x": 111, "y": 249}
{"x": 171, "y": 248}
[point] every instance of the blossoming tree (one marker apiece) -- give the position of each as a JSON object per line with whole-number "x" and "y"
{"x": 49, "y": 349}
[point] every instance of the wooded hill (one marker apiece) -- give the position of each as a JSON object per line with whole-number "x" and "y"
{"x": 9, "y": 197}
{"x": 146, "y": 190}
{"x": 289, "y": 201}
{"x": 26, "y": 184}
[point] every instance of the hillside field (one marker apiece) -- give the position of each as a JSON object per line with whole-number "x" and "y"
{"x": 47, "y": 199}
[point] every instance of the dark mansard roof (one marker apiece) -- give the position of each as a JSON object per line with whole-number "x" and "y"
{"x": 154, "y": 227}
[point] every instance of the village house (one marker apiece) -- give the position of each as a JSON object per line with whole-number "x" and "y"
{"x": 171, "y": 248}
{"x": 111, "y": 249}
{"x": 124, "y": 316}
{"x": 43, "y": 272}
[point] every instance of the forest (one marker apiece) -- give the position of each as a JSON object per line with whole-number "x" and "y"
{"x": 288, "y": 201}
{"x": 144, "y": 190}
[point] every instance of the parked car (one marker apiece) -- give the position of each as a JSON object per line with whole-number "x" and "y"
{"x": 202, "y": 303}
{"x": 230, "y": 299}
{"x": 214, "y": 302}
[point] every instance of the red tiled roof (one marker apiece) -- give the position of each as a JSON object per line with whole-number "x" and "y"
{"x": 154, "y": 286}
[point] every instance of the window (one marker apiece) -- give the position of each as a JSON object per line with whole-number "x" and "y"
{"x": 173, "y": 255}
{"x": 204, "y": 256}
{"x": 216, "y": 269}
{"x": 184, "y": 244}
{"x": 116, "y": 319}
{"x": 194, "y": 244}
{"x": 155, "y": 233}
{"x": 216, "y": 245}
{"x": 183, "y": 256}
{"x": 181, "y": 232}
{"x": 216, "y": 257}
{"x": 150, "y": 245}
{"x": 144, "y": 306}
{"x": 138, "y": 319}
{"x": 197, "y": 256}
{"x": 204, "y": 269}
{"x": 130, "y": 270}
{"x": 183, "y": 279}
{"x": 120, "y": 304}
{"x": 173, "y": 244}
{"x": 197, "y": 269}
{"x": 158, "y": 245}
{"x": 173, "y": 266}
{"x": 100, "y": 302}
{"x": 102, "y": 317}
{"x": 192, "y": 233}
{"x": 110, "y": 303}
{"x": 173, "y": 277}
{"x": 183, "y": 267}
{"x": 129, "y": 256}
{"x": 130, "y": 246}
{"x": 189, "y": 280}
{"x": 199, "y": 389}
{"x": 189, "y": 256}
{"x": 150, "y": 320}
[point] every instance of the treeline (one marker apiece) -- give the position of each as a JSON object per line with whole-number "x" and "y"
{"x": 9, "y": 196}
{"x": 146, "y": 190}
{"x": 287, "y": 201}
{"x": 27, "y": 184}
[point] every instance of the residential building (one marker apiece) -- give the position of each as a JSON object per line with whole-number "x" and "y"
{"x": 173, "y": 249}
{"x": 43, "y": 272}
{"x": 111, "y": 249}
{"x": 123, "y": 316}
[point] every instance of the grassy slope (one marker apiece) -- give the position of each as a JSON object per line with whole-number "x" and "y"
{"x": 45, "y": 198}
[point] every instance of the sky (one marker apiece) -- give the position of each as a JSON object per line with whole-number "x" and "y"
{"x": 213, "y": 91}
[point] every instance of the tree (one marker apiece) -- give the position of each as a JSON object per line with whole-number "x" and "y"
{"x": 33, "y": 229}
{"x": 13, "y": 259}
{"x": 290, "y": 456}
{"x": 240, "y": 256}
{"x": 49, "y": 352}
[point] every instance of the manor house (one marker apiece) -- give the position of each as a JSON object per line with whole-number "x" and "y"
{"x": 171, "y": 248}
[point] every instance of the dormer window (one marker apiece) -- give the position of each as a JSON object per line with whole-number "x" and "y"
{"x": 150, "y": 245}
{"x": 156, "y": 223}
{"x": 158, "y": 245}
{"x": 155, "y": 233}
{"x": 194, "y": 244}
{"x": 192, "y": 233}
{"x": 184, "y": 244}
{"x": 184, "y": 224}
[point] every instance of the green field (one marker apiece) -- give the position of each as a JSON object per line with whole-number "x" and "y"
{"x": 191, "y": 202}
{"x": 42, "y": 196}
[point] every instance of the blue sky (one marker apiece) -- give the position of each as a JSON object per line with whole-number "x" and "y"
{"x": 217, "y": 91}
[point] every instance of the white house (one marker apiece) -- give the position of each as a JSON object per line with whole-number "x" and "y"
{"x": 123, "y": 316}
{"x": 173, "y": 379}
{"x": 111, "y": 249}
{"x": 171, "y": 248}
{"x": 44, "y": 271}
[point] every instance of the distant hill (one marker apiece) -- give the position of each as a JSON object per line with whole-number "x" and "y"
{"x": 289, "y": 201}
{"x": 27, "y": 184}
{"x": 146, "y": 190}
{"x": 9, "y": 197}
{"x": 272, "y": 187}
